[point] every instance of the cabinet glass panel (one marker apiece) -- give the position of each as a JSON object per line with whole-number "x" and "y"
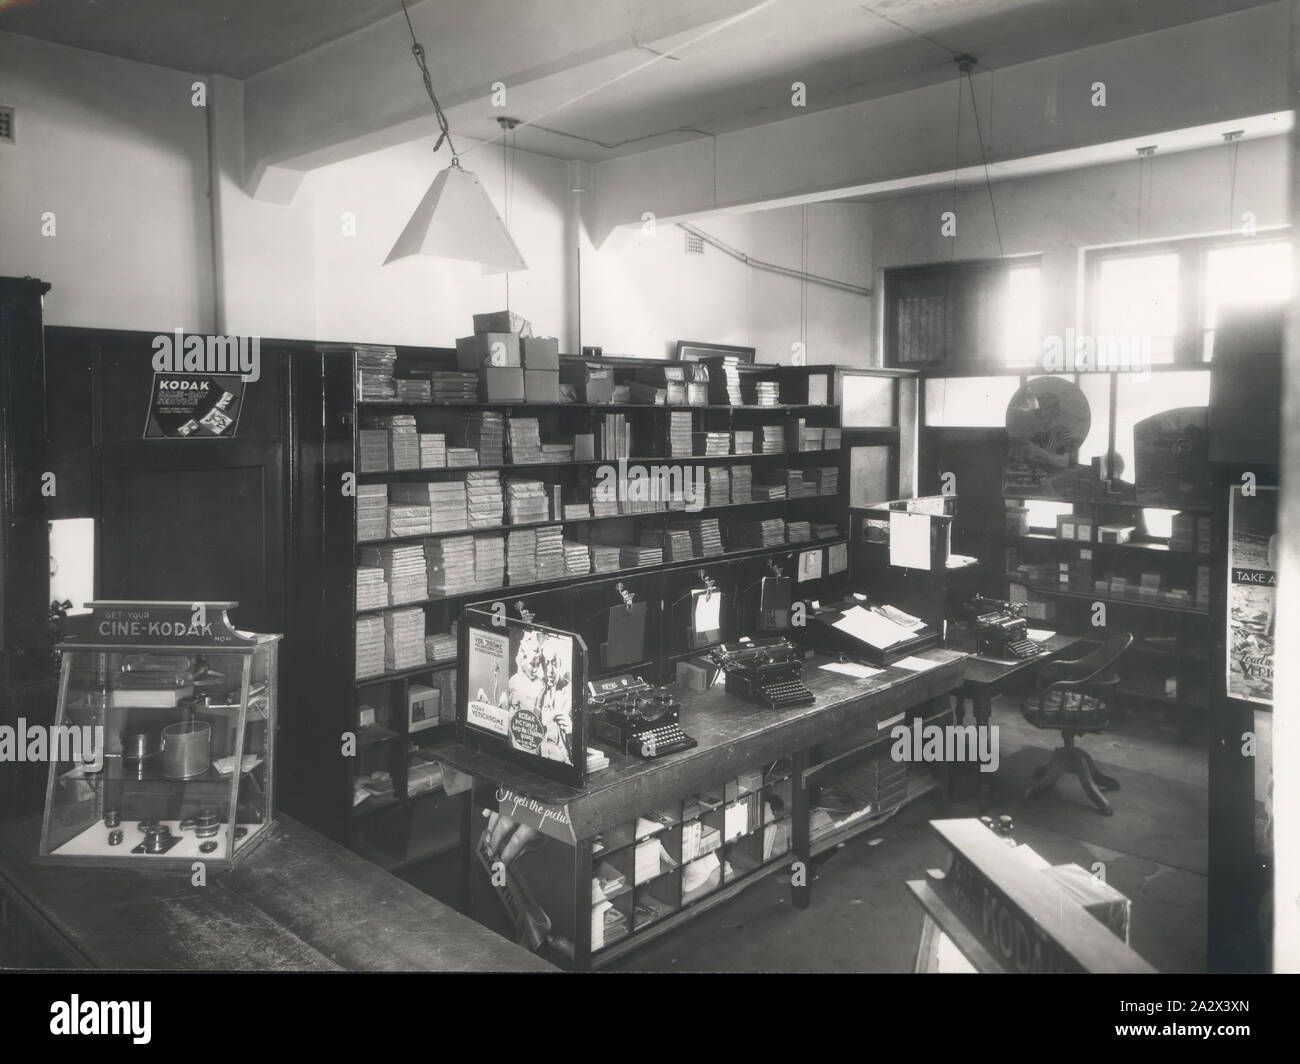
{"x": 160, "y": 753}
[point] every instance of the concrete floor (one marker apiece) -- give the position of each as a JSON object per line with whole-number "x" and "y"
{"x": 862, "y": 918}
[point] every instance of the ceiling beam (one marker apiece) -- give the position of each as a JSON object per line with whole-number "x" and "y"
{"x": 1192, "y": 78}
{"x": 363, "y": 92}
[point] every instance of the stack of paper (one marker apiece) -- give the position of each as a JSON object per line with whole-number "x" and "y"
{"x": 521, "y": 557}
{"x": 771, "y": 439}
{"x": 484, "y": 502}
{"x": 742, "y": 441}
{"x": 409, "y": 520}
{"x": 550, "y": 553}
{"x": 718, "y": 486}
{"x": 706, "y": 536}
{"x": 605, "y": 558}
{"x": 577, "y": 558}
{"x": 375, "y": 373}
{"x": 445, "y": 500}
{"x": 413, "y": 389}
{"x": 764, "y": 393}
{"x": 742, "y": 479}
{"x": 452, "y": 387}
{"x": 489, "y": 562}
{"x": 557, "y": 453}
{"x": 404, "y": 639}
{"x": 372, "y": 589}
{"x": 765, "y": 533}
{"x": 680, "y": 443}
{"x": 404, "y": 567}
{"x": 798, "y": 532}
{"x": 525, "y": 438}
{"x": 633, "y": 555}
{"x": 439, "y": 648}
{"x": 485, "y": 431}
{"x": 370, "y": 646}
{"x": 372, "y": 511}
{"x": 403, "y": 440}
{"x": 372, "y": 450}
{"x": 433, "y": 450}
{"x": 825, "y": 530}
{"x": 527, "y": 501}
{"x": 461, "y": 457}
{"x": 712, "y": 444}
{"x": 451, "y": 565}
{"x": 796, "y": 487}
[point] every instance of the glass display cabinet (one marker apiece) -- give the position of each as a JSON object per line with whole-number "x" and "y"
{"x": 163, "y": 745}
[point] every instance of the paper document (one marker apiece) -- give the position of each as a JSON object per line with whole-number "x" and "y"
{"x": 909, "y": 540}
{"x": 893, "y": 613}
{"x": 917, "y": 664}
{"x": 871, "y": 628}
{"x": 708, "y": 611}
{"x": 1040, "y": 635}
{"x": 851, "y": 668}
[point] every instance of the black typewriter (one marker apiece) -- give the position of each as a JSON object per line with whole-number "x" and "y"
{"x": 1000, "y": 629}
{"x": 766, "y": 671}
{"x": 636, "y": 718}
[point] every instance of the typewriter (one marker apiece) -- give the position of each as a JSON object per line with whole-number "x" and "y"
{"x": 766, "y": 671}
{"x": 636, "y": 718}
{"x": 1000, "y": 631}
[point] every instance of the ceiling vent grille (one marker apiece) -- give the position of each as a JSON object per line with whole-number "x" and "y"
{"x": 7, "y": 124}
{"x": 694, "y": 244}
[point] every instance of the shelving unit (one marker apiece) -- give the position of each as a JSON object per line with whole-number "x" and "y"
{"x": 710, "y": 843}
{"x": 1168, "y": 665}
{"x": 331, "y": 412}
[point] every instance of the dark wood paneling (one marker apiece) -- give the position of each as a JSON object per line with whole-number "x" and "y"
{"x": 203, "y": 524}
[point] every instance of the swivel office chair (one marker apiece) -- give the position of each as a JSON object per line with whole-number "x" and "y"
{"x": 1077, "y": 697}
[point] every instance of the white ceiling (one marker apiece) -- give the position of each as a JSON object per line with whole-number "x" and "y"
{"x": 735, "y": 71}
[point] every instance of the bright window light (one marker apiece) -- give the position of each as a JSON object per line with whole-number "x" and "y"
{"x": 1022, "y": 317}
{"x": 1244, "y": 275}
{"x": 1137, "y": 296}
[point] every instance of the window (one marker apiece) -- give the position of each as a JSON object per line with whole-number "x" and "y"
{"x": 1022, "y": 331}
{"x": 1137, "y": 297}
{"x": 958, "y": 316}
{"x": 1252, "y": 274}
{"x": 1162, "y": 302}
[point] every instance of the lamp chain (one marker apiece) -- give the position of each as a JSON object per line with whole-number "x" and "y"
{"x": 417, "y": 50}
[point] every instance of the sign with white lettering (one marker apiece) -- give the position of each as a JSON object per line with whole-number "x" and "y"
{"x": 179, "y": 624}
{"x": 194, "y": 406}
{"x": 1252, "y": 592}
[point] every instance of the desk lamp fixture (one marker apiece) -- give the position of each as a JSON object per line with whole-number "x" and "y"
{"x": 455, "y": 219}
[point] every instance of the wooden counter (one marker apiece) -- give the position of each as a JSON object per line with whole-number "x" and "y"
{"x": 733, "y": 735}
{"x": 297, "y": 903}
{"x": 854, "y": 716}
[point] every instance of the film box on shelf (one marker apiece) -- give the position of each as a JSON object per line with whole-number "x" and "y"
{"x": 591, "y": 382}
{"x": 1065, "y": 526}
{"x": 487, "y": 349}
{"x": 1114, "y": 533}
{"x": 502, "y": 321}
{"x": 540, "y": 352}
{"x": 541, "y": 386}
{"x": 501, "y": 384}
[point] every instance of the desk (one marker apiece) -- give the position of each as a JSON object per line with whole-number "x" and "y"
{"x": 597, "y": 825}
{"x": 297, "y": 903}
{"x": 984, "y": 678}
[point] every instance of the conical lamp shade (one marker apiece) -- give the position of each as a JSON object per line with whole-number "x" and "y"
{"x": 456, "y": 220}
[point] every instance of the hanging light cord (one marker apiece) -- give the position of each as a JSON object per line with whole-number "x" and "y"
{"x": 417, "y": 50}
{"x": 988, "y": 184}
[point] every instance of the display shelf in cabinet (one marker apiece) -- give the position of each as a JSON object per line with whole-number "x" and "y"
{"x": 1096, "y": 596}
